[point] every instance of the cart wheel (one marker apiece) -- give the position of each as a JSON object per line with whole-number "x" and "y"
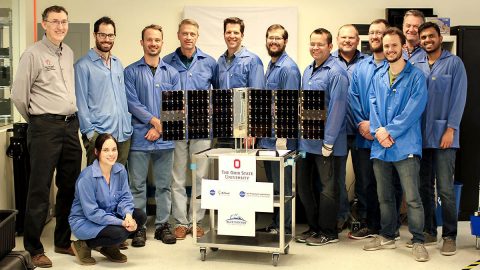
{"x": 286, "y": 250}
{"x": 275, "y": 257}
{"x": 213, "y": 249}
{"x": 203, "y": 254}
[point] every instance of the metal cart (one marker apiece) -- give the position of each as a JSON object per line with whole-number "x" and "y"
{"x": 262, "y": 242}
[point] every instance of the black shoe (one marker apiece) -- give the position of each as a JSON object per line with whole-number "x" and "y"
{"x": 139, "y": 238}
{"x": 164, "y": 233}
{"x": 302, "y": 238}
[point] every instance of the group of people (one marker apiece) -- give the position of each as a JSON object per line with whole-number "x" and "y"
{"x": 378, "y": 107}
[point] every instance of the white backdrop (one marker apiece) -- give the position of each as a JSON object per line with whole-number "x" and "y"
{"x": 257, "y": 20}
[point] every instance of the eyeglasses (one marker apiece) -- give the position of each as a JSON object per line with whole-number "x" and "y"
{"x": 58, "y": 23}
{"x": 274, "y": 38}
{"x": 104, "y": 36}
{"x": 377, "y": 33}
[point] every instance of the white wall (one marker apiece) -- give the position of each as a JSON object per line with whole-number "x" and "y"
{"x": 132, "y": 16}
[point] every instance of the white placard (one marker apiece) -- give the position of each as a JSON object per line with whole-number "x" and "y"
{"x": 239, "y": 222}
{"x": 257, "y": 197}
{"x": 237, "y": 168}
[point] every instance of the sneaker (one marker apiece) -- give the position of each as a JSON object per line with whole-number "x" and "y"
{"x": 67, "y": 251}
{"x": 302, "y": 238}
{"x": 83, "y": 252}
{"x": 181, "y": 232}
{"x": 379, "y": 242}
{"x": 420, "y": 253}
{"x": 269, "y": 229}
{"x": 449, "y": 247}
{"x": 164, "y": 234}
{"x": 113, "y": 254}
{"x": 139, "y": 238}
{"x": 397, "y": 235}
{"x": 41, "y": 261}
{"x": 123, "y": 245}
{"x": 430, "y": 240}
{"x": 321, "y": 240}
{"x": 200, "y": 231}
{"x": 363, "y": 233}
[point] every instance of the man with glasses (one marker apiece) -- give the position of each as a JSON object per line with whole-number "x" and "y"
{"x": 324, "y": 74}
{"x": 359, "y": 104}
{"x": 282, "y": 74}
{"x": 101, "y": 96}
{"x": 196, "y": 70}
{"x": 44, "y": 94}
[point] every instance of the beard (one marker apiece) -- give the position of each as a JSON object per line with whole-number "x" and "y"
{"x": 398, "y": 57}
{"x": 101, "y": 48}
{"x": 376, "y": 50}
{"x": 277, "y": 53}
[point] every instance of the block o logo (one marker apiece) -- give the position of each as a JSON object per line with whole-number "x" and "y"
{"x": 236, "y": 163}
{"x": 212, "y": 192}
{"x": 242, "y": 194}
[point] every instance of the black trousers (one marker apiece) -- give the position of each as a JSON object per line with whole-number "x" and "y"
{"x": 52, "y": 144}
{"x": 321, "y": 212}
{"x": 112, "y": 235}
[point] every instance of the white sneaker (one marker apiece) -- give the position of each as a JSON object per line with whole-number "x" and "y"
{"x": 379, "y": 242}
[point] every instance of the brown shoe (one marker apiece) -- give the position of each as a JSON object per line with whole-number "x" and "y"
{"x": 181, "y": 232}
{"x": 83, "y": 252}
{"x": 123, "y": 245}
{"x": 41, "y": 261}
{"x": 200, "y": 231}
{"x": 68, "y": 251}
{"x": 113, "y": 254}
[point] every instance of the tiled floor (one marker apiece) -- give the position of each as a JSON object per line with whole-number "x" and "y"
{"x": 347, "y": 254}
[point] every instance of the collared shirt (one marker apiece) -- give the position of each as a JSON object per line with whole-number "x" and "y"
{"x": 246, "y": 70}
{"x": 144, "y": 98}
{"x": 44, "y": 82}
{"x": 398, "y": 108}
{"x": 417, "y": 54}
{"x": 447, "y": 94}
{"x": 197, "y": 76}
{"x": 358, "y": 94}
{"x": 98, "y": 204}
{"x": 101, "y": 97}
{"x": 281, "y": 75}
{"x": 349, "y": 67}
{"x": 332, "y": 79}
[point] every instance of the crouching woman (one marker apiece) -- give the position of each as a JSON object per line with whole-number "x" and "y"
{"x": 103, "y": 214}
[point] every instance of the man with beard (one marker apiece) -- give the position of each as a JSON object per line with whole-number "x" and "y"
{"x": 358, "y": 98}
{"x": 447, "y": 91}
{"x": 282, "y": 74}
{"x": 196, "y": 70}
{"x": 145, "y": 80}
{"x": 101, "y": 96}
{"x": 324, "y": 74}
{"x": 44, "y": 94}
{"x": 348, "y": 56}
{"x": 411, "y": 21}
{"x": 398, "y": 95}
{"x": 237, "y": 67}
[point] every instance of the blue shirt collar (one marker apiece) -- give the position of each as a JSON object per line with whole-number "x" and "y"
{"x": 97, "y": 172}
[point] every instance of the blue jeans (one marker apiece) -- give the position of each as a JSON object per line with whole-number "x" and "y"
{"x": 272, "y": 170}
{"x": 408, "y": 172}
{"x": 162, "y": 164}
{"x": 439, "y": 164}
